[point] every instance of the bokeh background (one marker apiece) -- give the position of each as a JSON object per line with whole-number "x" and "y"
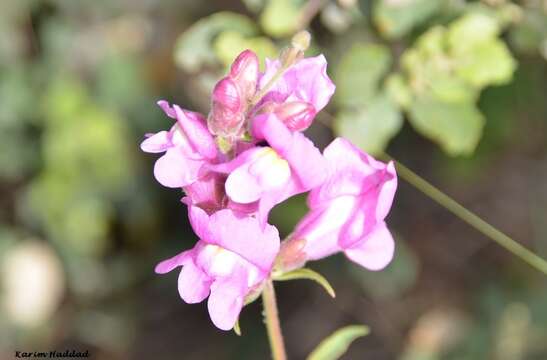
{"x": 454, "y": 89}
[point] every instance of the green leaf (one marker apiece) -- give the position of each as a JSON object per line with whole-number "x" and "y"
{"x": 254, "y": 5}
{"x": 398, "y": 90}
{"x": 370, "y": 127}
{"x": 281, "y": 17}
{"x": 336, "y": 345}
{"x": 194, "y": 47}
{"x": 457, "y": 127}
{"x": 450, "y": 88}
{"x": 472, "y": 29}
{"x": 486, "y": 64}
{"x": 480, "y": 58}
{"x": 359, "y": 73}
{"x": 305, "y": 273}
{"x": 395, "y": 19}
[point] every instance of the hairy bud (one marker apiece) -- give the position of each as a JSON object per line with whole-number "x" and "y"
{"x": 301, "y": 41}
{"x": 244, "y": 72}
{"x": 296, "y": 115}
{"x": 226, "y": 115}
{"x": 291, "y": 255}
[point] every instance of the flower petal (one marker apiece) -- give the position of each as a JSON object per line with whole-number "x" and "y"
{"x": 244, "y": 236}
{"x": 307, "y": 80}
{"x": 196, "y": 131}
{"x": 157, "y": 143}
{"x": 242, "y": 186}
{"x": 375, "y": 251}
{"x": 304, "y": 158}
{"x": 226, "y": 301}
{"x": 178, "y": 260}
{"x": 175, "y": 170}
{"x": 199, "y": 220}
{"x": 193, "y": 284}
{"x": 321, "y": 227}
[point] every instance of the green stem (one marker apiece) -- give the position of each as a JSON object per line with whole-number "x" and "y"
{"x": 272, "y": 322}
{"x": 259, "y": 95}
{"x": 450, "y": 204}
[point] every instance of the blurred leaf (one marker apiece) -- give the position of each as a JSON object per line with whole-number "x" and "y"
{"x": 336, "y": 345}
{"x": 457, "y": 127}
{"x": 305, "y": 273}
{"x": 470, "y": 30}
{"x": 281, "y": 17}
{"x": 194, "y": 48}
{"x": 336, "y": 18}
{"x": 398, "y": 90}
{"x": 372, "y": 126}
{"x": 254, "y": 5}
{"x": 396, "y": 18}
{"x": 530, "y": 35}
{"x": 452, "y": 89}
{"x": 229, "y": 44}
{"x": 489, "y": 63}
{"x": 480, "y": 57}
{"x": 359, "y": 73}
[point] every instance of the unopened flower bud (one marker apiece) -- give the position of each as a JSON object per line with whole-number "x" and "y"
{"x": 226, "y": 114}
{"x": 244, "y": 72}
{"x": 291, "y": 255}
{"x": 226, "y": 94}
{"x": 301, "y": 41}
{"x": 296, "y": 115}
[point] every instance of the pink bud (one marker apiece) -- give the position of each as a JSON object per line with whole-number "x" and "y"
{"x": 296, "y": 115}
{"x": 226, "y": 111}
{"x": 291, "y": 255}
{"x": 244, "y": 72}
{"x": 226, "y": 94}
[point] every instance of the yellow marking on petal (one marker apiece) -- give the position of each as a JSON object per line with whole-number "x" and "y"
{"x": 271, "y": 169}
{"x": 222, "y": 260}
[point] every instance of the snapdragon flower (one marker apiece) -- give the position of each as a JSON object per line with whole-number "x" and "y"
{"x": 248, "y": 155}
{"x": 232, "y": 258}
{"x": 348, "y": 210}
{"x": 188, "y": 145}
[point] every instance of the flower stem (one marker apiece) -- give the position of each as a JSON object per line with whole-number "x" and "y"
{"x": 469, "y": 217}
{"x": 260, "y": 94}
{"x": 272, "y": 322}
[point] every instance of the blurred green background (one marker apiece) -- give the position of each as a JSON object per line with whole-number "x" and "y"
{"x": 456, "y": 89}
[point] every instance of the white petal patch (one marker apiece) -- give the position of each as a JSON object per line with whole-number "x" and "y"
{"x": 271, "y": 170}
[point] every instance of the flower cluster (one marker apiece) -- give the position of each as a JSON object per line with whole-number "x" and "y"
{"x": 249, "y": 155}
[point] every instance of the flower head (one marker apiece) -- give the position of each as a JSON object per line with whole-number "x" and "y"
{"x": 188, "y": 145}
{"x": 306, "y": 82}
{"x": 268, "y": 175}
{"x": 232, "y": 258}
{"x": 347, "y": 211}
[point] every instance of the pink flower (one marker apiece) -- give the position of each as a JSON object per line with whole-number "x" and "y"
{"x": 306, "y": 82}
{"x": 290, "y": 165}
{"x": 187, "y": 146}
{"x": 230, "y": 261}
{"x": 347, "y": 211}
